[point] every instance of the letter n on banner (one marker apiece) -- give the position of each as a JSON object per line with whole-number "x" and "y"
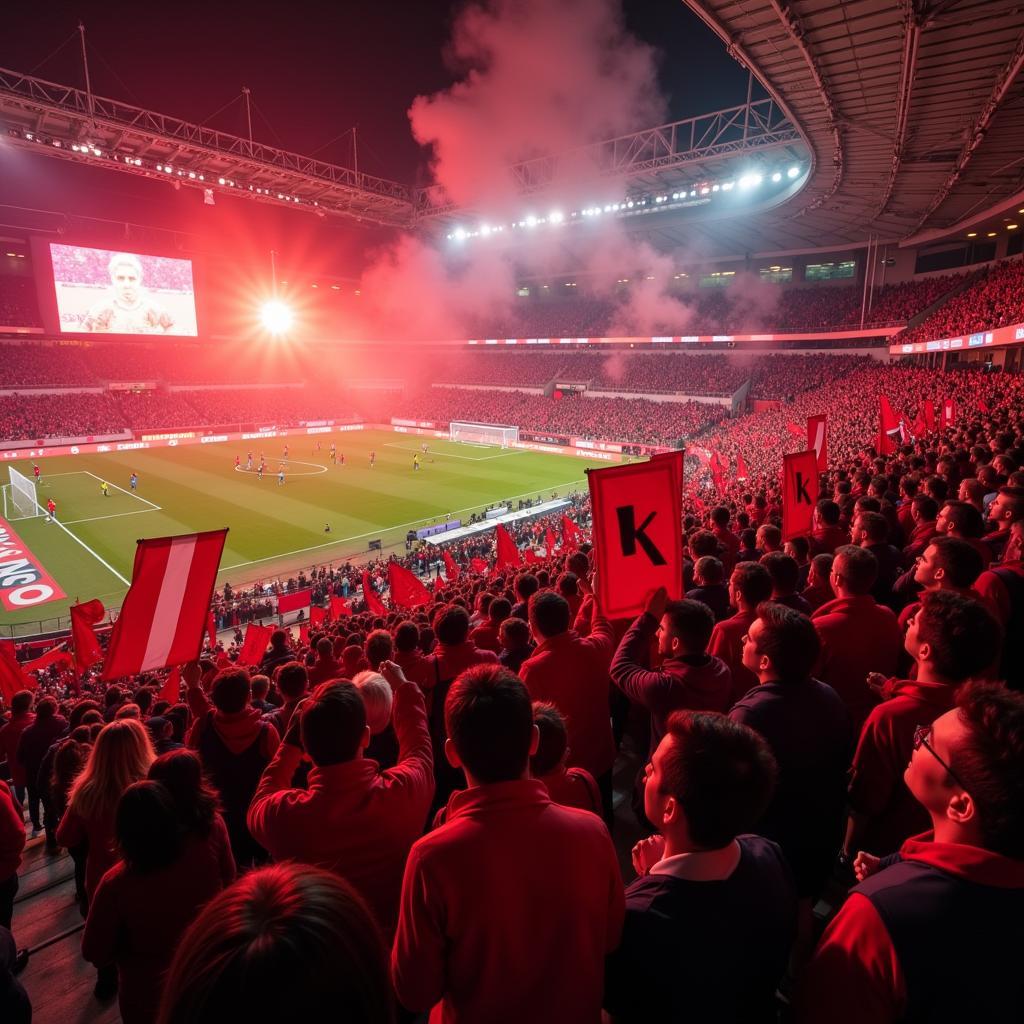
{"x": 637, "y": 532}
{"x": 799, "y": 493}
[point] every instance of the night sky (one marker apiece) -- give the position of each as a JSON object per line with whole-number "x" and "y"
{"x": 314, "y": 69}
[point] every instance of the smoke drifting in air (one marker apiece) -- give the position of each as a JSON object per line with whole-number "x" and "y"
{"x": 536, "y": 78}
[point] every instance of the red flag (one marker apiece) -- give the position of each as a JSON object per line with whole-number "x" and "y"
{"x": 889, "y": 427}
{"x": 339, "y": 607}
{"x": 304, "y": 635}
{"x": 572, "y": 535}
{"x": 478, "y": 565}
{"x": 86, "y": 646}
{"x": 718, "y": 467}
{"x": 171, "y": 690}
{"x": 373, "y": 602}
{"x": 12, "y": 675}
{"x": 54, "y": 656}
{"x": 929, "y": 415}
{"x": 741, "y": 468}
{"x": 531, "y": 557}
{"x": 163, "y": 616}
{"x": 817, "y": 439}
{"x": 549, "y": 542}
{"x": 439, "y": 584}
{"x": 948, "y": 412}
{"x": 317, "y": 616}
{"x": 406, "y": 590}
{"x": 637, "y": 535}
{"x": 508, "y": 553}
{"x": 451, "y": 569}
{"x": 794, "y": 429}
{"x": 799, "y": 493}
{"x": 293, "y": 601}
{"x": 211, "y": 630}
{"x": 254, "y": 646}
{"x": 983, "y": 405}
{"x": 920, "y": 427}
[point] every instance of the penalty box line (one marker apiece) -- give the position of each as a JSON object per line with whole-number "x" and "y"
{"x": 131, "y": 494}
{"x": 451, "y": 455}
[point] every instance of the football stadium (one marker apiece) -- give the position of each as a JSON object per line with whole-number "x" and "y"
{"x": 512, "y": 509}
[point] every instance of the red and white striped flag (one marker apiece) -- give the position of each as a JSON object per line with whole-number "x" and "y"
{"x": 164, "y": 615}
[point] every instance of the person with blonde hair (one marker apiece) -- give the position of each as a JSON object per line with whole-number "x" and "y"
{"x": 120, "y": 756}
{"x": 378, "y": 700}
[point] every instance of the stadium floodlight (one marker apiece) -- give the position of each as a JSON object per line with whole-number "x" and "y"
{"x": 460, "y": 234}
{"x": 531, "y": 221}
{"x": 793, "y": 172}
{"x": 556, "y": 217}
{"x": 776, "y": 176}
{"x": 485, "y": 229}
{"x": 277, "y": 318}
{"x": 748, "y": 181}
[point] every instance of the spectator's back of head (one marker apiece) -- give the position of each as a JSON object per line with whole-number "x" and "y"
{"x": 21, "y": 702}
{"x": 526, "y": 586}
{"x": 407, "y": 636}
{"x": 720, "y": 773}
{"x": 514, "y": 634}
{"x": 954, "y": 636}
{"x": 489, "y": 720}
{"x": 377, "y": 698}
{"x": 451, "y": 624}
{"x": 855, "y": 569}
{"x": 709, "y": 571}
{"x": 553, "y": 741}
{"x": 379, "y": 647}
{"x": 46, "y": 709}
{"x": 782, "y": 643}
{"x": 259, "y": 686}
{"x": 751, "y": 583}
{"x": 784, "y": 571}
{"x": 325, "y": 648}
{"x": 691, "y": 623}
{"x": 333, "y": 725}
{"x": 230, "y": 691}
{"x": 549, "y": 614}
{"x": 289, "y": 922}
{"x": 149, "y": 835}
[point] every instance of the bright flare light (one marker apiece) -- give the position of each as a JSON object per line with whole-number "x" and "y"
{"x": 793, "y": 172}
{"x": 277, "y": 318}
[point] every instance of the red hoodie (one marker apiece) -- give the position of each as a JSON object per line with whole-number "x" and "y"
{"x": 237, "y": 729}
{"x": 12, "y": 834}
{"x": 854, "y": 976}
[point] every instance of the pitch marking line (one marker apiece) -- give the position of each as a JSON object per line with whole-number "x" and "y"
{"x": 451, "y": 455}
{"x": 130, "y": 494}
{"x": 384, "y": 529}
{"x": 78, "y": 540}
{"x": 114, "y": 515}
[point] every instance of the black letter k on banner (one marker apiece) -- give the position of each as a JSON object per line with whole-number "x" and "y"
{"x": 630, "y": 534}
{"x": 801, "y": 490}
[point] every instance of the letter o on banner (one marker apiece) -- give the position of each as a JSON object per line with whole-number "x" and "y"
{"x": 33, "y": 593}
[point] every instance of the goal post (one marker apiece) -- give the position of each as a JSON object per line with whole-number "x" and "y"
{"x": 483, "y": 433}
{"x": 20, "y": 500}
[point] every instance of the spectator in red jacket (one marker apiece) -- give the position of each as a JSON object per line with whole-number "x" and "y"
{"x": 749, "y": 585}
{"x": 728, "y": 542}
{"x": 1005, "y": 510}
{"x": 827, "y": 534}
{"x": 571, "y": 672}
{"x": 144, "y": 903}
{"x": 353, "y": 819}
{"x": 688, "y": 678}
{"x": 570, "y": 787}
{"x": 924, "y": 512}
{"x": 708, "y": 783}
{"x": 12, "y": 843}
{"x": 292, "y": 682}
{"x": 885, "y": 957}
{"x": 948, "y": 564}
{"x": 408, "y": 657}
{"x": 819, "y": 585}
{"x": 21, "y": 718}
{"x": 950, "y": 639}
{"x": 281, "y": 944}
{"x": 857, "y": 635}
{"x": 486, "y": 635}
{"x": 235, "y": 745}
{"x": 509, "y": 908}
{"x": 325, "y": 667}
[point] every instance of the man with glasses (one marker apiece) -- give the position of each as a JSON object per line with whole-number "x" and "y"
{"x": 951, "y": 639}
{"x": 934, "y": 933}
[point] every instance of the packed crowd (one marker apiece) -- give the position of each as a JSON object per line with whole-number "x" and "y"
{"x": 406, "y": 807}
{"x": 994, "y": 300}
{"x": 73, "y": 414}
{"x": 622, "y": 419}
{"x": 18, "y": 304}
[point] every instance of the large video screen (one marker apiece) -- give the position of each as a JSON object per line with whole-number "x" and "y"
{"x": 107, "y": 291}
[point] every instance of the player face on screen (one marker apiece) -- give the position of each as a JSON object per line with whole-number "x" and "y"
{"x": 126, "y": 277}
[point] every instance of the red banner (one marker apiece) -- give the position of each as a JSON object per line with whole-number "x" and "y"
{"x": 406, "y": 590}
{"x": 741, "y": 468}
{"x": 572, "y": 535}
{"x": 889, "y": 427}
{"x": 373, "y": 603}
{"x": 24, "y": 582}
{"x": 171, "y": 690}
{"x": 637, "y": 533}
{"x": 817, "y": 439}
{"x": 54, "y": 656}
{"x": 86, "y": 647}
{"x": 339, "y": 608}
{"x": 164, "y": 614}
{"x": 799, "y": 493}
{"x": 293, "y": 601}
{"x": 479, "y": 565}
{"x": 451, "y": 569}
{"x": 508, "y": 553}
{"x": 929, "y": 415}
{"x": 12, "y": 676}
{"x": 549, "y": 542}
{"x": 254, "y": 646}
{"x": 948, "y": 412}
{"x": 317, "y": 616}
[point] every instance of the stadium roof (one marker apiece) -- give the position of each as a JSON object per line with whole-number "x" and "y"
{"x": 913, "y": 112}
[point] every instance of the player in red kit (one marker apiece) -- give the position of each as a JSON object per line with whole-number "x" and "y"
{"x": 35, "y": 472}
{"x": 51, "y": 508}
{"x": 238, "y": 461}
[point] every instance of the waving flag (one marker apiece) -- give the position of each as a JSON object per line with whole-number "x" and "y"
{"x": 54, "y": 656}
{"x": 171, "y": 690}
{"x": 339, "y": 607}
{"x": 479, "y": 565}
{"x": 295, "y": 600}
{"x": 929, "y": 415}
{"x": 948, "y": 412}
{"x": 817, "y": 439}
{"x": 317, "y": 616}
{"x": 799, "y": 493}
{"x": 406, "y": 590}
{"x": 164, "y": 614}
{"x": 741, "y": 468}
{"x": 572, "y": 535}
{"x": 508, "y": 553}
{"x": 12, "y": 675}
{"x": 890, "y": 427}
{"x": 254, "y": 646}
{"x": 549, "y": 542}
{"x": 451, "y": 569}
{"x": 373, "y": 602}
{"x": 86, "y": 647}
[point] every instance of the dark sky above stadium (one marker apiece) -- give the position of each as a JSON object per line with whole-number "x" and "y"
{"x": 315, "y": 68}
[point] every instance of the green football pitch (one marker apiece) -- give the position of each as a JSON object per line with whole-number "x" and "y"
{"x": 274, "y": 529}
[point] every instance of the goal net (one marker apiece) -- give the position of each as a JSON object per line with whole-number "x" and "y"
{"x": 20, "y": 497}
{"x": 483, "y": 433}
